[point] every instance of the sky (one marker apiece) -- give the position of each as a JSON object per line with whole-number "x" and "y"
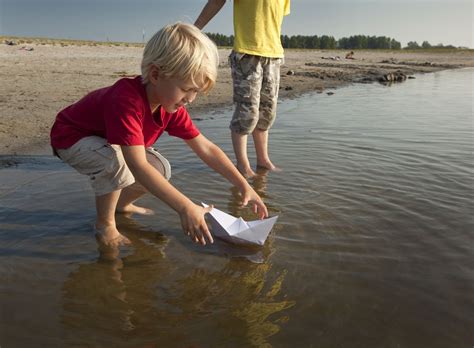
{"x": 436, "y": 21}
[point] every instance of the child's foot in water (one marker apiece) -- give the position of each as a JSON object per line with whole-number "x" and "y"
{"x": 247, "y": 172}
{"x": 110, "y": 236}
{"x": 268, "y": 165}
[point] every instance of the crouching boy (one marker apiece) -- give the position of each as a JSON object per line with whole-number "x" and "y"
{"x": 108, "y": 134}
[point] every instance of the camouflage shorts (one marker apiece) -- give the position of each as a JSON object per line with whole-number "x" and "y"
{"x": 256, "y": 83}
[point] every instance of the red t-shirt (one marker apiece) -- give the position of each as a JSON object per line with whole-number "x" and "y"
{"x": 121, "y": 114}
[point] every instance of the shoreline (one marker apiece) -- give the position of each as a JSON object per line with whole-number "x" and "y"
{"x": 38, "y": 83}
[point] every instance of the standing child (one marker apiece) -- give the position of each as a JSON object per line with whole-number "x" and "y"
{"x": 108, "y": 134}
{"x": 255, "y": 62}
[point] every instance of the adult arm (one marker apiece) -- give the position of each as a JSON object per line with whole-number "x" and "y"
{"x": 191, "y": 215}
{"x": 208, "y": 12}
{"x": 215, "y": 158}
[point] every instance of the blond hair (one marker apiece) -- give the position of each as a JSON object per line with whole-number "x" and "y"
{"x": 182, "y": 51}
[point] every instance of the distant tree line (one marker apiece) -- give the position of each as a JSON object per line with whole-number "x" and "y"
{"x": 321, "y": 42}
{"x": 221, "y": 39}
{"x": 414, "y": 45}
{"x": 368, "y": 42}
{"x": 301, "y": 41}
{"x": 329, "y": 42}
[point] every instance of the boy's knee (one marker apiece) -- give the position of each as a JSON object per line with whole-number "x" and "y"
{"x": 159, "y": 161}
{"x": 267, "y": 117}
{"x": 244, "y": 127}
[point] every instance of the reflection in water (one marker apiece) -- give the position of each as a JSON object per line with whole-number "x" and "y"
{"x": 238, "y": 299}
{"x": 102, "y": 296}
{"x": 146, "y": 298}
{"x": 259, "y": 184}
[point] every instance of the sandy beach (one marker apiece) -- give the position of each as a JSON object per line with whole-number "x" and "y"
{"x": 38, "y": 80}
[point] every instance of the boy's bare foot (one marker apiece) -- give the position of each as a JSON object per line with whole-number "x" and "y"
{"x": 247, "y": 172}
{"x": 268, "y": 165}
{"x": 134, "y": 209}
{"x": 110, "y": 236}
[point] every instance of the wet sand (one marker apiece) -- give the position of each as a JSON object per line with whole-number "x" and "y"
{"x": 37, "y": 83}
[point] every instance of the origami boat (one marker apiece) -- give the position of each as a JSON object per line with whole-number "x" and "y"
{"x": 237, "y": 230}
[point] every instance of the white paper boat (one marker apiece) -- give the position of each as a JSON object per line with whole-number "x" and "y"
{"x": 237, "y": 230}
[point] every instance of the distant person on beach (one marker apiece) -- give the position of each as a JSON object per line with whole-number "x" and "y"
{"x": 108, "y": 135}
{"x": 255, "y": 63}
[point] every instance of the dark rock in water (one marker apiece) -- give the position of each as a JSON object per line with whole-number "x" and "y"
{"x": 290, "y": 72}
{"x": 387, "y": 78}
{"x": 411, "y": 77}
{"x": 288, "y": 88}
{"x": 330, "y": 93}
{"x": 396, "y": 76}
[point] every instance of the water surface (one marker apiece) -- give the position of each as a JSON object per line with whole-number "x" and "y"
{"x": 373, "y": 247}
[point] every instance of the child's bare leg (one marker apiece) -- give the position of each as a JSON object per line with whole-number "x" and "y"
{"x": 128, "y": 196}
{"x": 260, "y": 139}
{"x": 239, "y": 141}
{"x": 106, "y": 229}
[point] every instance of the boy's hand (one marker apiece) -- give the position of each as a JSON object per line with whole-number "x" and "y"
{"x": 194, "y": 225}
{"x": 249, "y": 195}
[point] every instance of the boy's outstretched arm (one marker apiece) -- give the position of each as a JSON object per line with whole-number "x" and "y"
{"x": 191, "y": 215}
{"x": 208, "y": 12}
{"x": 215, "y": 158}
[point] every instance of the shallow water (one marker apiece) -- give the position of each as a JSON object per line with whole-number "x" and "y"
{"x": 373, "y": 247}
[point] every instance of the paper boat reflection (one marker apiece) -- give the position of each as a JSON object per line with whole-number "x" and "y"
{"x": 237, "y": 230}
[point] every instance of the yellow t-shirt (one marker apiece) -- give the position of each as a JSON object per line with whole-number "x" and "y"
{"x": 257, "y": 26}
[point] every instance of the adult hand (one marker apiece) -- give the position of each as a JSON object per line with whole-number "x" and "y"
{"x": 194, "y": 225}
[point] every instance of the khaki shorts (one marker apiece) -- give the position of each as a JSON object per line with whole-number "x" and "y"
{"x": 256, "y": 81}
{"x": 105, "y": 165}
